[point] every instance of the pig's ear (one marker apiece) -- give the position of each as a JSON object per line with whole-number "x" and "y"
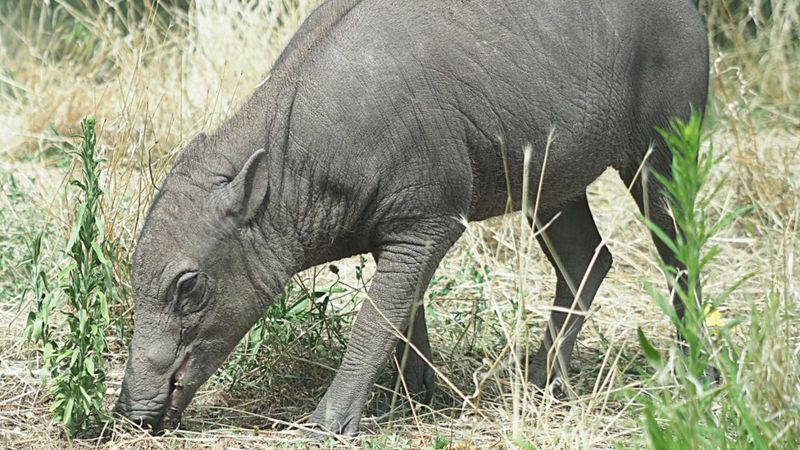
{"x": 248, "y": 191}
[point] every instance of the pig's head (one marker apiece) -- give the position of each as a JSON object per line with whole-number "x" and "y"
{"x": 204, "y": 271}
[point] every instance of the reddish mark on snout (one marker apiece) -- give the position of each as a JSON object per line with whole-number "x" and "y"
{"x": 176, "y": 387}
{"x": 177, "y": 376}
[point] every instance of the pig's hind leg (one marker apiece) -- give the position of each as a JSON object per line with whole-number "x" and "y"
{"x": 574, "y": 247}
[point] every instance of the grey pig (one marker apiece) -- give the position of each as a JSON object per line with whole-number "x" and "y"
{"x": 383, "y": 127}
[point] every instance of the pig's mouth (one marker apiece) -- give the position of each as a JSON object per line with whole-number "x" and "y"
{"x": 164, "y": 411}
{"x": 176, "y": 394}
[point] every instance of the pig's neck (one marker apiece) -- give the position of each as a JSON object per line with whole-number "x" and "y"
{"x": 305, "y": 221}
{"x": 245, "y": 132}
{"x": 317, "y": 198}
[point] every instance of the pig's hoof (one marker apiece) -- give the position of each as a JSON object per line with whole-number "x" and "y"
{"x": 419, "y": 382}
{"x": 423, "y": 387}
{"x": 558, "y": 388}
{"x": 538, "y": 379}
{"x": 555, "y": 385}
{"x": 332, "y": 424}
{"x": 315, "y": 432}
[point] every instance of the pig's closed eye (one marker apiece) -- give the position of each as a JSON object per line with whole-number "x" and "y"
{"x": 221, "y": 180}
{"x": 190, "y": 292}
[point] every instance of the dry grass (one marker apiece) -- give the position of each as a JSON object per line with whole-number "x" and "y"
{"x": 152, "y": 88}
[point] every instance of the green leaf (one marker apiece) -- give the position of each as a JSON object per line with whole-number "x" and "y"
{"x": 729, "y": 218}
{"x": 100, "y": 224}
{"x": 298, "y": 307}
{"x": 76, "y": 354}
{"x": 85, "y": 395}
{"x": 662, "y": 236}
{"x": 57, "y": 403}
{"x": 66, "y": 270}
{"x": 76, "y": 229}
{"x": 103, "y": 305}
{"x": 752, "y": 428}
{"x": 524, "y": 445}
{"x": 655, "y": 434}
{"x": 337, "y": 289}
{"x": 35, "y": 327}
{"x": 89, "y": 363}
{"x": 67, "y": 413}
{"x": 47, "y": 350}
{"x": 98, "y": 251}
{"x": 650, "y": 353}
{"x": 663, "y": 302}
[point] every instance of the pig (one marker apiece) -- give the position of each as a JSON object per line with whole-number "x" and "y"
{"x": 383, "y": 127}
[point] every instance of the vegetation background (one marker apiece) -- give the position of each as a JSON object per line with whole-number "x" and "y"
{"x": 155, "y": 73}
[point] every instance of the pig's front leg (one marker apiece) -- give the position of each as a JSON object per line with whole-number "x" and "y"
{"x": 405, "y": 264}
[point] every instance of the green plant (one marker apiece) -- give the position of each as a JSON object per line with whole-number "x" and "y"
{"x": 16, "y": 216}
{"x": 38, "y": 323}
{"x": 439, "y": 443}
{"x": 690, "y": 171}
{"x": 302, "y": 316}
{"x": 72, "y": 348}
{"x": 689, "y": 409}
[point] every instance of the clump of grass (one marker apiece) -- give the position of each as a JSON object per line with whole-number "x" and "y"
{"x": 754, "y": 54}
{"x": 301, "y": 317}
{"x": 16, "y": 216}
{"x": 299, "y": 341}
{"x": 72, "y": 343}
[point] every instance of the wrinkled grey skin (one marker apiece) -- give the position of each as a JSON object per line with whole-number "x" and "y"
{"x": 384, "y": 123}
